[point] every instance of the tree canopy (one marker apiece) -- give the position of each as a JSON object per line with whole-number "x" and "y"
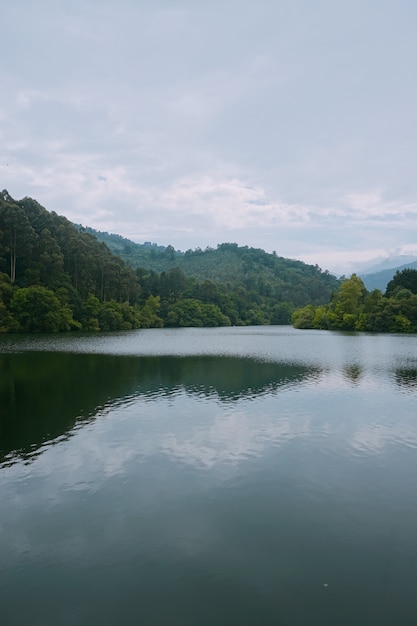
{"x": 406, "y": 279}
{"x": 352, "y": 307}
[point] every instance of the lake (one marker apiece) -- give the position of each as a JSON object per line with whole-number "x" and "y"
{"x": 254, "y": 476}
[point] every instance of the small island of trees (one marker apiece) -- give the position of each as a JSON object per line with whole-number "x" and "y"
{"x": 353, "y": 308}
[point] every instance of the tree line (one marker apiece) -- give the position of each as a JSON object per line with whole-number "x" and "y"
{"x": 55, "y": 277}
{"x": 353, "y": 308}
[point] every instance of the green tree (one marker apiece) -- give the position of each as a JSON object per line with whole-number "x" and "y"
{"x": 191, "y": 312}
{"x": 281, "y": 313}
{"x": 89, "y": 313}
{"x": 37, "y": 309}
{"x": 321, "y": 318}
{"x": 406, "y": 279}
{"x": 401, "y": 324}
{"x": 7, "y": 321}
{"x": 303, "y": 318}
{"x": 114, "y": 315}
{"x": 372, "y": 317}
{"x": 346, "y": 306}
{"x": 149, "y": 313}
{"x": 17, "y": 234}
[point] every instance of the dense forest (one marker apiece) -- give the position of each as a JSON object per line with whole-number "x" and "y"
{"x": 352, "y": 307}
{"x": 55, "y": 276}
{"x": 230, "y": 265}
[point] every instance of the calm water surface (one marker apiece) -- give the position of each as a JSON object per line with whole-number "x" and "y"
{"x": 208, "y": 477}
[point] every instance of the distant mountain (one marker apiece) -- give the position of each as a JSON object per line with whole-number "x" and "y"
{"x": 378, "y": 265}
{"x": 380, "y": 279}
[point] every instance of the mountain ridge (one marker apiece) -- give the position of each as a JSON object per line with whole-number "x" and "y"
{"x": 162, "y": 258}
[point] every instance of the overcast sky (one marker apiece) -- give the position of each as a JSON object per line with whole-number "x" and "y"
{"x": 289, "y": 125}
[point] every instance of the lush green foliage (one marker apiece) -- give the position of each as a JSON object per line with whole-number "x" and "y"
{"x": 191, "y": 312}
{"x": 407, "y": 279}
{"x": 249, "y": 285}
{"x": 352, "y": 307}
{"x": 55, "y": 277}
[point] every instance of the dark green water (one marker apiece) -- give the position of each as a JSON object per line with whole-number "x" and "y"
{"x": 243, "y": 476}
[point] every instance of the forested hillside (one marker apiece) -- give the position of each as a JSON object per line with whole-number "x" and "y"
{"x": 148, "y": 254}
{"x": 55, "y": 276}
{"x": 268, "y": 275}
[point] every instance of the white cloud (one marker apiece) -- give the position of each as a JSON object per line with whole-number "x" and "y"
{"x": 371, "y": 206}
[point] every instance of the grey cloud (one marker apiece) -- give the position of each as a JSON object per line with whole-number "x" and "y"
{"x": 307, "y": 104}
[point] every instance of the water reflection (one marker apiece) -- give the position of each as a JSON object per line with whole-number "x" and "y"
{"x": 353, "y": 373}
{"x": 218, "y": 490}
{"x": 406, "y": 378}
{"x": 44, "y": 395}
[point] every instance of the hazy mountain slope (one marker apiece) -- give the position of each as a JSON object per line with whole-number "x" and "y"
{"x": 379, "y": 280}
{"x": 387, "y": 263}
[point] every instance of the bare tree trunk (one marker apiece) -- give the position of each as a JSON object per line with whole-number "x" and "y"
{"x": 13, "y": 257}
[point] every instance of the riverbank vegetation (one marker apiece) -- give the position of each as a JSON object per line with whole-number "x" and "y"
{"x": 352, "y": 307}
{"x": 55, "y": 277}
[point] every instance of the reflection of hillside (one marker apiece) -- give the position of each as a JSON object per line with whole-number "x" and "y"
{"x": 407, "y": 378}
{"x": 231, "y": 378}
{"x": 43, "y": 395}
{"x": 353, "y": 373}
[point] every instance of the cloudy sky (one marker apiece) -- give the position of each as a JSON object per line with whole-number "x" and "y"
{"x": 289, "y": 125}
